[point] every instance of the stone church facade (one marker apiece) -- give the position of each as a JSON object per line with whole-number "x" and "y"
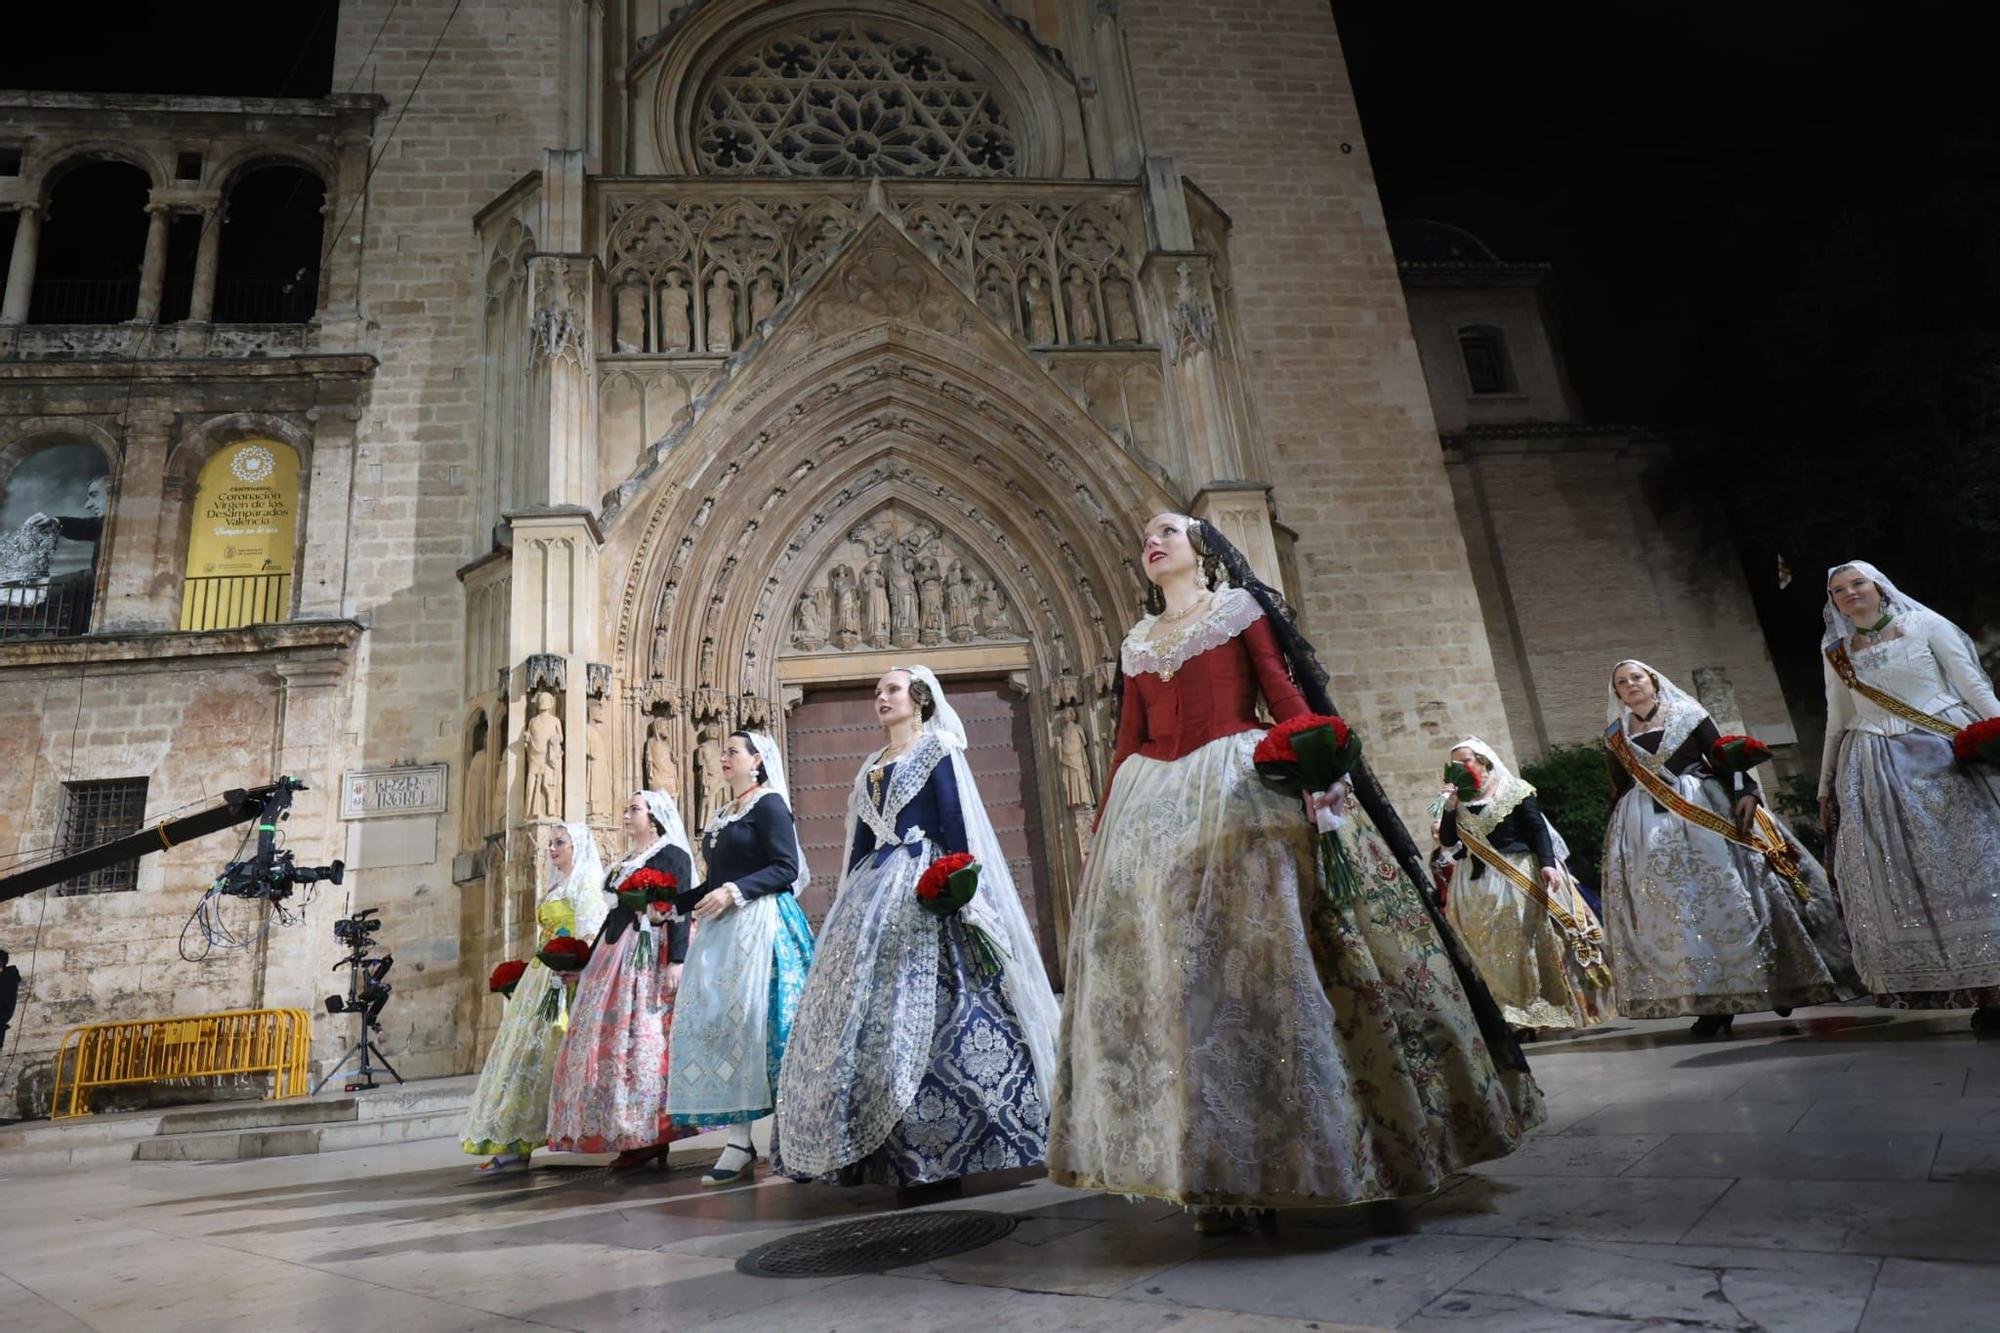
{"x": 674, "y": 369}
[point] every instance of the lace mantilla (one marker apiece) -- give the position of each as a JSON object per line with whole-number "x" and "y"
{"x": 728, "y": 815}
{"x": 1495, "y": 808}
{"x": 913, "y": 770}
{"x": 1233, "y": 611}
{"x": 1675, "y": 728}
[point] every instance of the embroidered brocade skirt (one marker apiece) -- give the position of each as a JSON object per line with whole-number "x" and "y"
{"x": 1917, "y": 856}
{"x": 1523, "y": 956}
{"x": 510, "y": 1103}
{"x": 906, "y": 1066}
{"x": 1231, "y": 1037}
{"x": 734, "y": 1014}
{"x": 610, "y": 1086}
{"x": 1696, "y": 924}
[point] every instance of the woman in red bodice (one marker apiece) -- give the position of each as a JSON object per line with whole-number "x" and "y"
{"x": 1233, "y": 1038}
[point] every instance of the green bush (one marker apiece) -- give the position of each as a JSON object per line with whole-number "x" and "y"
{"x": 1575, "y": 791}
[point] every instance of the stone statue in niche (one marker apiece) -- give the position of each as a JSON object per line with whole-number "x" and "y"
{"x": 676, "y": 327}
{"x": 659, "y": 667}
{"x": 708, "y": 772}
{"x": 542, "y": 739}
{"x": 753, "y": 713}
{"x": 721, "y": 313}
{"x": 875, "y": 603}
{"x": 846, "y": 606}
{"x": 763, "y": 299}
{"x": 598, "y": 798}
{"x": 1119, "y": 312}
{"x": 1068, "y": 690}
{"x": 475, "y": 820}
{"x": 930, "y": 596}
{"x": 629, "y": 318}
{"x": 662, "y": 773}
{"x": 902, "y": 599}
{"x": 1073, "y": 756}
{"x": 993, "y": 619}
{"x": 996, "y": 298}
{"x": 706, "y": 674}
{"x": 809, "y": 621}
{"x": 1041, "y": 310}
{"x": 1082, "y": 314}
{"x": 958, "y": 613}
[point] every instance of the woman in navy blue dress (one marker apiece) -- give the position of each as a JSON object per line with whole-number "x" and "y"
{"x": 908, "y": 1065}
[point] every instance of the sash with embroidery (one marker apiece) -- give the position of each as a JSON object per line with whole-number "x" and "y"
{"x": 1586, "y": 940}
{"x": 1843, "y": 666}
{"x": 1767, "y": 840}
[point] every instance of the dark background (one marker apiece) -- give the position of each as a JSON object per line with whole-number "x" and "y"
{"x": 1775, "y": 225}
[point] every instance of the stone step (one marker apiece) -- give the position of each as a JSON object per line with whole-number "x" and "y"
{"x": 231, "y": 1145}
{"x": 119, "y": 1128}
{"x": 63, "y": 1157}
{"x": 259, "y": 1115}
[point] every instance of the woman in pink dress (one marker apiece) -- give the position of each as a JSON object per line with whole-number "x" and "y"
{"x": 610, "y": 1086}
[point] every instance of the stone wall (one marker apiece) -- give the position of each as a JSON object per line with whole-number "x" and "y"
{"x": 486, "y": 110}
{"x": 1254, "y": 103}
{"x": 1585, "y": 553}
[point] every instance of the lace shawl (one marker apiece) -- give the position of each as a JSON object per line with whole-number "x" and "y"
{"x": 1233, "y": 611}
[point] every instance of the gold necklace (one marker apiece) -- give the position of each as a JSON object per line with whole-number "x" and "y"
{"x": 1175, "y": 617}
{"x": 1165, "y": 646}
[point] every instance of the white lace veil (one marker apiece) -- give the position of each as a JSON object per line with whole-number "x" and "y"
{"x": 1497, "y": 787}
{"x": 1025, "y": 979}
{"x": 1672, "y": 697}
{"x": 774, "y": 780}
{"x": 1916, "y": 618}
{"x": 668, "y": 816}
{"x": 581, "y": 887}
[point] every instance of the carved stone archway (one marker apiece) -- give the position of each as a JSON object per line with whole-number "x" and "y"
{"x": 882, "y": 400}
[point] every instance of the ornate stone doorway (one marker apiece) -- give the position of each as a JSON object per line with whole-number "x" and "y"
{"x": 833, "y": 729}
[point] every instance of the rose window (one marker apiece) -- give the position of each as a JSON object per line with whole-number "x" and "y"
{"x": 857, "y": 99}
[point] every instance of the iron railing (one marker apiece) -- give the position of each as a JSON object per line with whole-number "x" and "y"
{"x": 57, "y": 608}
{"x": 84, "y": 300}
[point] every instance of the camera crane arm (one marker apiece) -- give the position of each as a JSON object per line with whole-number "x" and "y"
{"x": 238, "y": 807}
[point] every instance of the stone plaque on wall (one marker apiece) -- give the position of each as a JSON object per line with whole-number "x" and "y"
{"x": 378, "y": 793}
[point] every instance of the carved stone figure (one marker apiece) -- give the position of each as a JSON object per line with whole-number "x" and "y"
{"x": 629, "y": 318}
{"x": 996, "y": 298}
{"x": 1068, "y": 689}
{"x": 721, "y": 313}
{"x": 542, "y": 739}
{"x": 598, "y": 797}
{"x": 1073, "y": 755}
{"x": 659, "y": 652}
{"x": 1119, "y": 312}
{"x": 809, "y": 621}
{"x": 676, "y": 326}
{"x": 662, "y": 773}
{"x": 708, "y": 772}
{"x": 930, "y": 601}
{"x": 1082, "y": 314}
{"x": 475, "y": 820}
{"x": 706, "y": 674}
{"x": 1041, "y": 310}
{"x": 875, "y": 603}
{"x": 846, "y": 606}
{"x": 902, "y": 600}
{"x": 993, "y": 619}
{"x": 763, "y": 299}
{"x": 958, "y": 613}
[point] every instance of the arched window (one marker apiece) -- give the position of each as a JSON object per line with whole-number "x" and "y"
{"x": 93, "y": 241}
{"x": 1484, "y": 352}
{"x": 853, "y": 96}
{"x": 241, "y": 547}
{"x": 51, "y": 521}
{"x": 269, "y": 272}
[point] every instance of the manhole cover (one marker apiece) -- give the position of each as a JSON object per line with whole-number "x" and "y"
{"x": 876, "y": 1244}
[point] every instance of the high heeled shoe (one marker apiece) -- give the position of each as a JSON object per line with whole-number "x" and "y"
{"x": 716, "y": 1177}
{"x": 634, "y": 1158}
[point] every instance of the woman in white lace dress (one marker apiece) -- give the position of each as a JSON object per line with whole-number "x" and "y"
{"x": 1916, "y": 834}
{"x": 1235, "y": 1037}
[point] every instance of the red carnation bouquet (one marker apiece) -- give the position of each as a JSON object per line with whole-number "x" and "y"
{"x": 505, "y": 977}
{"x": 1462, "y": 780}
{"x": 1978, "y": 742}
{"x": 1310, "y": 753}
{"x": 646, "y": 886}
{"x": 944, "y": 889}
{"x": 1738, "y": 754}
{"x": 565, "y": 955}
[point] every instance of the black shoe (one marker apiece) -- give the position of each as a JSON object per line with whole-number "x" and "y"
{"x": 717, "y": 1177}
{"x": 1710, "y": 1025}
{"x": 1986, "y": 1019}
{"x": 1783, "y": 1013}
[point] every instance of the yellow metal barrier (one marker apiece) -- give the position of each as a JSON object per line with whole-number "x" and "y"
{"x": 235, "y": 1041}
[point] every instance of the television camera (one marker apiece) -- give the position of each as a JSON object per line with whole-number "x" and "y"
{"x": 367, "y": 993}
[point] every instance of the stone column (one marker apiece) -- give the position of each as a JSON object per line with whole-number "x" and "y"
{"x": 21, "y": 272}
{"x": 142, "y": 583}
{"x": 206, "y": 258}
{"x": 322, "y": 577}
{"x": 153, "y": 270}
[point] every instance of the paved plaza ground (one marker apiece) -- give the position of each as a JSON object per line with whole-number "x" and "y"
{"x": 1838, "y": 1171}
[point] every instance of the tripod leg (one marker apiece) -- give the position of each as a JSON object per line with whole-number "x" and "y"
{"x": 352, "y": 1051}
{"x": 385, "y": 1063}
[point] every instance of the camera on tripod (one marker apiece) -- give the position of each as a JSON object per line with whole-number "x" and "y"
{"x": 367, "y": 992}
{"x": 357, "y": 931}
{"x": 271, "y": 873}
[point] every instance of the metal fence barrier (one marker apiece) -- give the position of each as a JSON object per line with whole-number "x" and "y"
{"x": 234, "y": 1041}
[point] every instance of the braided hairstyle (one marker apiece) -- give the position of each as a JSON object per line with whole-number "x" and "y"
{"x": 1222, "y": 563}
